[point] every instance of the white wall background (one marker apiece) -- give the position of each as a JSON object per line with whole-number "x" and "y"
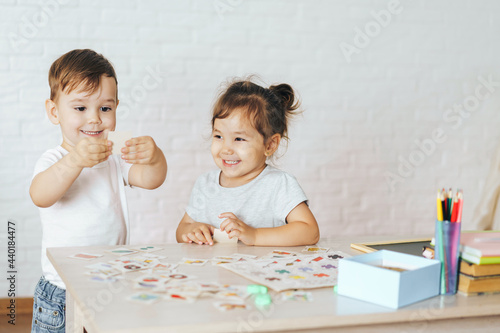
{"x": 365, "y": 111}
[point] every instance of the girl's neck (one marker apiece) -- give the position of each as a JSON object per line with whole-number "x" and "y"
{"x": 239, "y": 181}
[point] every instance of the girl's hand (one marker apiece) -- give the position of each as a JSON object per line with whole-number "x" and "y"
{"x": 237, "y": 228}
{"x": 200, "y": 233}
{"x": 141, "y": 150}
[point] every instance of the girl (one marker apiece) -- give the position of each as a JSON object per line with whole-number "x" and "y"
{"x": 247, "y": 198}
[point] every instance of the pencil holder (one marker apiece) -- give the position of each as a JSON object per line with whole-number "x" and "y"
{"x": 447, "y": 251}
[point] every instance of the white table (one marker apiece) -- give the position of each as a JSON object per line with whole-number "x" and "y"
{"x": 103, "y": 308}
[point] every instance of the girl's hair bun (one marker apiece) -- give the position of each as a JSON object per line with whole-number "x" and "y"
{"x": 286, "y": 95}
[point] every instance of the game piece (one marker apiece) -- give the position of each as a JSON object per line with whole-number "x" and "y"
{"x": 119, "y": 138}
{"x": 263, "y": 299}
{"x": 222, "y": 237}
{"x": 256, "y": 289}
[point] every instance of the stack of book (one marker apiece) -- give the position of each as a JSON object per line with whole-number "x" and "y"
{"x": 480, "y": 265}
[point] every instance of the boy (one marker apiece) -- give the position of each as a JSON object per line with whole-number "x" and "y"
{"x": 79, "y": 185}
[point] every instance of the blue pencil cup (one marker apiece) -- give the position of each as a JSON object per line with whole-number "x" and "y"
{"x": 447, "y": 251}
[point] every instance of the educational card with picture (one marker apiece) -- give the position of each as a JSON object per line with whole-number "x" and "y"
{"x": 292, "y": 272}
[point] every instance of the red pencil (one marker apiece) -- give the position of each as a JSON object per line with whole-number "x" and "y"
{"x": 455, "y": 209}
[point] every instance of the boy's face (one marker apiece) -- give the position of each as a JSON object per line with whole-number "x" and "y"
{"x": 84, "y": 116}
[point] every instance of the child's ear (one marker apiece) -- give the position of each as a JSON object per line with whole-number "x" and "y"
{"x": 272, "y": 144}
{"x": 51, "y": 109}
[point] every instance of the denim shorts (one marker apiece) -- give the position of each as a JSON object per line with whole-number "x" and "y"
{"x": 49, "y": 308}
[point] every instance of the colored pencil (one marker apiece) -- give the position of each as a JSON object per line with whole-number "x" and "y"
{"x": 450, "y": 200}
{"x": 445, "y": 205}
{"x": 455, "y": 209}
{"x": 460, "y": 204}
{"x": 439, "y": 207}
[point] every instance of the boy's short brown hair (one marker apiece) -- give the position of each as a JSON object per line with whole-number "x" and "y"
{"x": 79, "y": 67}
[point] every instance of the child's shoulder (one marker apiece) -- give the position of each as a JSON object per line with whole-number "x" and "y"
{"x": 57, "y": 152}
{"x": 208, "y": 176}
{"x": 273, "y": 173}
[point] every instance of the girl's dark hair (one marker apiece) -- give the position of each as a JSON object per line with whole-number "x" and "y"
{"x": 268, "y": 109}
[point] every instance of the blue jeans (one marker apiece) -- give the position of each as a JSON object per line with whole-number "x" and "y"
{"x": 49, "y": 308}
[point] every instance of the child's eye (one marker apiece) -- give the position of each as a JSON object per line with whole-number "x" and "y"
{"x": 105, "y": 108}
{"x": 217, "y": 136}
{"x": 80, "y": 108}
{"x": 239, "y": 139}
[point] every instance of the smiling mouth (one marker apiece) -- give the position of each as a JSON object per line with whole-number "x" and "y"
{"x": 91, "y": 132}
{"x": 231, "y": 162}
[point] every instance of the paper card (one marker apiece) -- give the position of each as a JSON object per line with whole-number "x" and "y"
{"x": 181, "y": 297}
{"x": 232, "y": 292}
{"x": 121, "y": 251}
{"x": 297, "y": 295}
{"x": 126, "y": 266}
{"x": 315, "y": 249}
{"x": 208, "y": 287}
{"x": 144, "y": 298}
{"x": 105, "y": 279}
{"x": 102, "y": 269}
{"x": 230, "y": 305}
{"x": 242, "y": 255}
{"x": 132, "y": 267}
{"x": 85, "y": 256}
{"x": 119, "y": 138}
{"x": 224, "y": 259}
{"x": 163, "y": 268}
{"x": 146, "y": 257}
{"x": 180, "y": 276}
{"x": 147, "y": 248}
{"x": 194, "y": 262}
{"x": 222, "y": 237}
{"x": 150, "y": 282}
{"x": 100, "y": 266}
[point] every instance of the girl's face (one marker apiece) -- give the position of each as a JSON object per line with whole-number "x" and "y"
{"x": 238, "y": 150}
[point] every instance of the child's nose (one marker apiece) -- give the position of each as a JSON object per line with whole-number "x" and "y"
{"x": 94, "y": 118}
{"x": 227, "y": 148}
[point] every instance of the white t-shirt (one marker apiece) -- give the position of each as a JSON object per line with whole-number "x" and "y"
{"x": 93, "y": 211}
{"x": 265, "y": 202}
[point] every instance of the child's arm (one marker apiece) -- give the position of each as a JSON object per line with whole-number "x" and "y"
{"x": 190, "y": 231}
{"x": 50, "y": 185}
{"x": 302, "y": 229}
{"x": 149, "y": 167}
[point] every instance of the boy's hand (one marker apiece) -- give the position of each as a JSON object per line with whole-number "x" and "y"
{"x": 141, "y": 150}
{"x": 200, "y": 233}
{"x": 237, "y": 228}
{"x": 89, "y": 152}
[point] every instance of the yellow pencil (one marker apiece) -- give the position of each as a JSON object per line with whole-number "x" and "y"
{"x": 439, "y": 206}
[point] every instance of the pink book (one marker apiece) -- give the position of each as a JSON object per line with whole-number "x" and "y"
{"x": 481, "y": 243}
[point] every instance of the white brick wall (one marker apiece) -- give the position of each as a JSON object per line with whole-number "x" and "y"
{"x": 362, "y": 116}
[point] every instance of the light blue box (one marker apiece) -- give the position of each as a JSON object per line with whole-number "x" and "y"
{"x": 360, "y": 278}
